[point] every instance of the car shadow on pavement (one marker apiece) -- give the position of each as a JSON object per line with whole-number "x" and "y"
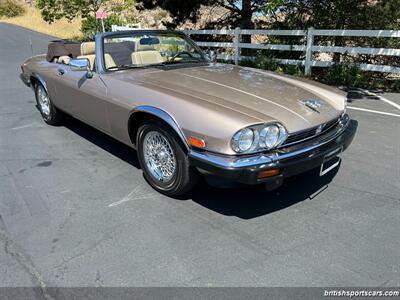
{"x": 254, "y": 201}
{"x": 246, "y": 202}
{"x": 103, "y": 141}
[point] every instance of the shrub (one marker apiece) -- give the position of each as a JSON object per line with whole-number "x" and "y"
{"x": 395, "y": 85}
{"x": 378, "y": 84}
{"x": 266, "y": 63}
{"x": 10, "y": 9}
{"x": 295, "y": 70}
{"x": 345, "y": 75}
{"x": 248, "y": 63}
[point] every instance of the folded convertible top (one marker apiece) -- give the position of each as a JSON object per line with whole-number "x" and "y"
{"x": 63, "y": 48}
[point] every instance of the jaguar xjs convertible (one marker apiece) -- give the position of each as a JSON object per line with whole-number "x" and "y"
{"x": 188, "y": 116}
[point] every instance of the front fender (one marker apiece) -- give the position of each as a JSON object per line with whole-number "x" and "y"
{"x": 159, "y": 113}
{"x": 40, "y": 79}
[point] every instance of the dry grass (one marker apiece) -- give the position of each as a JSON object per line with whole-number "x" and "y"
{"x": 33, "y": 20}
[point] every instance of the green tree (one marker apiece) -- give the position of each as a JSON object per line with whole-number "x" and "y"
{"x": 241, "y": 12}
{"x": 341, "y": 14}
{"x": 52, "y": 10}
{"x": 337, "y": 14}
{"x": 90, "y": 26}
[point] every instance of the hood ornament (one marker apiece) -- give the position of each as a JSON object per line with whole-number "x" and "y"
{"x": 319, "y": 129}
{"x": 312, "y": 104}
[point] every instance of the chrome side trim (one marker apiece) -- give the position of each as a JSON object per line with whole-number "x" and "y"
{"x": 166, "y": 117}
{"x": 259, "y": 160}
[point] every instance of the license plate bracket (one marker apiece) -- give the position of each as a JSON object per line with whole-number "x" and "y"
{"x": 331, "y": 161}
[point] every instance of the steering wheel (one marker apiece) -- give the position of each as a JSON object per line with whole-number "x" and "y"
{"x": 181, "y": 53}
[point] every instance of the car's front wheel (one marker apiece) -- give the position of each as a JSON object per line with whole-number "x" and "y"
{"x": 51, "y": 115}
{"x": 164, "y": 161}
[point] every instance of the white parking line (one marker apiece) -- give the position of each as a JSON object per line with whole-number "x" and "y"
{"x": 382, "y": 99}
{"x": 21, "y": 127}
{"x": 131, "y": 196}
{"x": 128, "y": 197}
{"x": 374, "y": 111}
{"x": 27, "y": 126}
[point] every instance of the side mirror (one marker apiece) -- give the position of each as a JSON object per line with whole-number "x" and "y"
{"x": 81, "y": 64}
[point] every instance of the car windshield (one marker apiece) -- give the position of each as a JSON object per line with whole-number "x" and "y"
{"x": 135, "y": 50}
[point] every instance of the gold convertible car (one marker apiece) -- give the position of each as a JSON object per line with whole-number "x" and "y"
{"x": 187, "y": 116}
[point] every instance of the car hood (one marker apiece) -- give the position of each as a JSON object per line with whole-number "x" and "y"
{"x": 265, "y": 96}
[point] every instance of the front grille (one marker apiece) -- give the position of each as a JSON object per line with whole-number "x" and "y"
{"x": 309, "y": 133}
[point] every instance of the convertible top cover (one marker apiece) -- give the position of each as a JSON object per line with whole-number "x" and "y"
{"x": 62, "y": 48}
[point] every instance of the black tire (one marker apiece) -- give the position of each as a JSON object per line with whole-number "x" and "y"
{"x": 185, "y": 177}
{"x": 53, "y": 116}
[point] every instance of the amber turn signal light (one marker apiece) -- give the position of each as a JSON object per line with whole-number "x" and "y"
{"x": 268, "y": 173}
{"x": 195, "y": 142}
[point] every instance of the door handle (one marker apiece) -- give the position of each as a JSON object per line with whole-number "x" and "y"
{"x": 61, "y": 71}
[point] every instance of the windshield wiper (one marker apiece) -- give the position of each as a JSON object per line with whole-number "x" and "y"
{"x": 163, "y": 64}
{"x": 172, "y": 62}
{"x": 183, "y": 61}
{"x": 125, "y": 67}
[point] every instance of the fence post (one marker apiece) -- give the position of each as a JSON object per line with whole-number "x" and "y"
{"x": 236, "y": 42}
{"x": 309, "y": 58}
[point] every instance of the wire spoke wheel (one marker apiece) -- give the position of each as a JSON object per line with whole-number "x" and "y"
{"x": 159, "y": 156}
{"x": 44, "y": 101}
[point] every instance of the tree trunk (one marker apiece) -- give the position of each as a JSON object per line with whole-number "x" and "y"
{"x": 246, "y": 22}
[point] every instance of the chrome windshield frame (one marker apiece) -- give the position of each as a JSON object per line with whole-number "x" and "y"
{"x": 99, "y": 40}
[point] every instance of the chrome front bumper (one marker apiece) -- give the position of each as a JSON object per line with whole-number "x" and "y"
{"x": 292, "y": 160}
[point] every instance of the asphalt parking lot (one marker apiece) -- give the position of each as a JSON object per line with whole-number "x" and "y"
{"x": 76, "y": 211}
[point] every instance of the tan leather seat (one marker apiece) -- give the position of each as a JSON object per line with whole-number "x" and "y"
{"x": 146, "y": 54}
{"x": 109, "y": 61}
{"x": 88, "y": 50}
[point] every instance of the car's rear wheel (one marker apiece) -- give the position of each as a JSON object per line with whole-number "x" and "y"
{"x": 51, "y": 115}
{"x": 163, "y": 160}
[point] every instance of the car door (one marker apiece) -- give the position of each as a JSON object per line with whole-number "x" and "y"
{"x": 82, "y": 97}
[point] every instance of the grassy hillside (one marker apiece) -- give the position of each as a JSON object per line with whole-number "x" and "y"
{"x": 33, "y": 20}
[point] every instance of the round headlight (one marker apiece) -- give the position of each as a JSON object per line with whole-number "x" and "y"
{"x": 243, "y": 140}
{"x": 269, "y": 136}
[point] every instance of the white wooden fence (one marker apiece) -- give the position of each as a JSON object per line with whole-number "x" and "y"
{"x": 126, "y": 27}
{"x": 308, "y": 47}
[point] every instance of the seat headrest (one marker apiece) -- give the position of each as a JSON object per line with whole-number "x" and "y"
{"x": 88, "y": 48}
{"x": 64, "y": 60}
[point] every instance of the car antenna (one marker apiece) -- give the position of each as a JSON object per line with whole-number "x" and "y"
{"x": 30, "y": 43}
